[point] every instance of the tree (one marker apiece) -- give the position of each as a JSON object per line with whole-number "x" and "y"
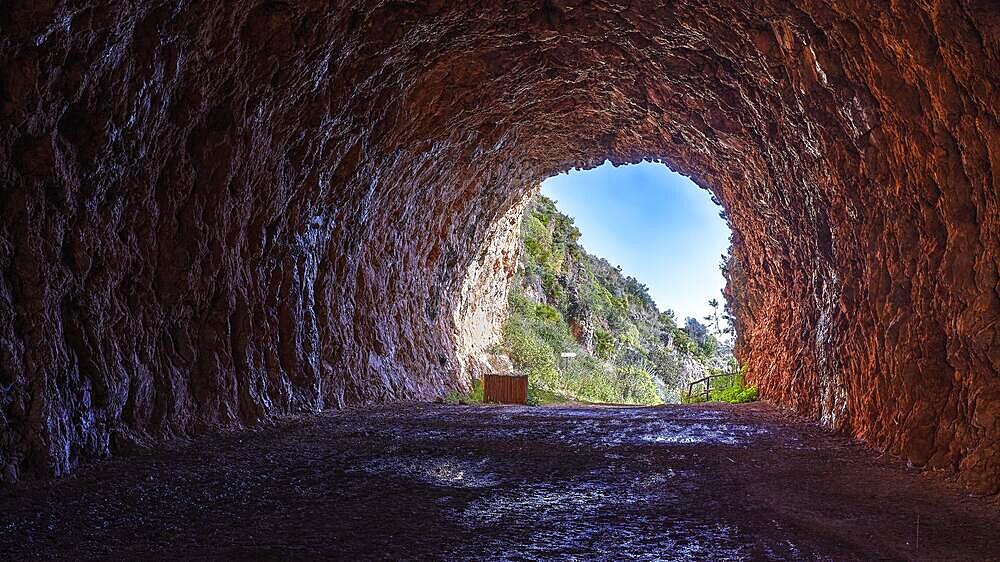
{"x": 714, "y": 317}
{"x": 696, "y": 330}
{"x": 709, "y": 347}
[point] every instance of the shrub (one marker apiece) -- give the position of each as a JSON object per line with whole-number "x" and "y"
{"x": 604, "y": 344}
{"x": 637, "y": 386}
{"x": 527, "y": 351}
{"x": 535, "y": 333}
{"x": 540, "y": 397}
{"x": 474, "y": 396}
{"x": 548, "y": 313}
{"x": 536, "y": 238}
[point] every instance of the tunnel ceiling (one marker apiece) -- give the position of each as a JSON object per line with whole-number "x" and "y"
{"x": 218, "y": 212}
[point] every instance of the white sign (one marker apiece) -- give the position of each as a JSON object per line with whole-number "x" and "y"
{"x": 567, "y": 354}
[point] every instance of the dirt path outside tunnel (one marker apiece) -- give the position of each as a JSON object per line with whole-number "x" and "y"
{"x": 422, "y": 481}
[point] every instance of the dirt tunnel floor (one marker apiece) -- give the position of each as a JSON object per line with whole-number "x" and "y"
{"x": 442, "y": 482}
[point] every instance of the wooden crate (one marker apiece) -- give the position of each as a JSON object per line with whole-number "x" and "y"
{"x": 505, "y": 388}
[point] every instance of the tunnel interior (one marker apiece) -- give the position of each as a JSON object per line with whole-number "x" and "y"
{"x": 215, "y": 214}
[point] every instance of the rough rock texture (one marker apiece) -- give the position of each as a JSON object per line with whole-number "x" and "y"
{"x": 217, "y": 211}
{"x": 482, "y": 306}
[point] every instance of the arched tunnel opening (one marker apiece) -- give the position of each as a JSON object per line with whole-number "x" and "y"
{"x": 611, "y": 292}
{"x": 215, "y": 214}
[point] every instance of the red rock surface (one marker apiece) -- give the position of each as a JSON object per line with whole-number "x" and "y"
{"x": 214, "y": 212}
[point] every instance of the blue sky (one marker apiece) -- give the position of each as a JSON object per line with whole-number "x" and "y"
{"x": 656, "y": 224}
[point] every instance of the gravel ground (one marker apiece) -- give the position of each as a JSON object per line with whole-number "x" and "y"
{"x": 431, "y": 482}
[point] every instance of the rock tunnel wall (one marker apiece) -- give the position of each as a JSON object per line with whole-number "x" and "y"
{"x": 215, "y": 212}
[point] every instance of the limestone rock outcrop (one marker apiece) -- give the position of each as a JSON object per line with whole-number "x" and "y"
{"x": 214, "y": 212}
{"x": 482, "y": 307}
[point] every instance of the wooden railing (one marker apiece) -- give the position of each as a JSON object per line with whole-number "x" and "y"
{"x": 707, "y": 381}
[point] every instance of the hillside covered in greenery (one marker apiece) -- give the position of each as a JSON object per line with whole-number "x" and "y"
{"x": 566, "y": 300}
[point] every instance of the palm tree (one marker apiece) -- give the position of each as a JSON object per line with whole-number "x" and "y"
{"x": 714, "y": 317}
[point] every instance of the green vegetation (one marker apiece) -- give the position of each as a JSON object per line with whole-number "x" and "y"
{"x": 731, "y": 388}
{"x": 474, "y": 396}
{"x": 566, "y": 301}
{"x": 535, "y": 334}
{"x": 540, "y": 397}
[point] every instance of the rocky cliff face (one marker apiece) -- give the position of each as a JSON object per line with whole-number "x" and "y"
{"x": 215, "y": 212}
{"x": 482, "y": 307}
